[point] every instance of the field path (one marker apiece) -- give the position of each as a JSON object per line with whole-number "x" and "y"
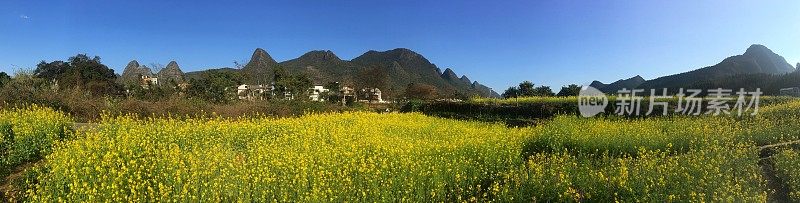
{"x": 779, "y": 189}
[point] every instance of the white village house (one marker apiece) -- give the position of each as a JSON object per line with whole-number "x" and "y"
{"x": 260, "y": 92}
{"x": 253, "y": 92}
{"x": 370, "y": 95}
{"x": 316, "y": 93}
{"x": 147, "y": 81}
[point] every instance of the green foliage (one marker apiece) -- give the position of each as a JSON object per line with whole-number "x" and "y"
{"x": 527, "y": 89}
{"x": 570, "y": 90}
{"x": 80, "y": 72}
{"x": 153, "y": 92}
{"x": 296, "y": 85}
{"x": 4, "y": 79}
{"x": 215, "y": 86}
{"x": 511, "y": 92}
{"x": 543, "y": 91}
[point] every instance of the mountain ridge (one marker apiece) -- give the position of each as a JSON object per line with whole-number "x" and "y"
{"x": 396, "y": 68}
{"x": 757, "y": 59}
{"x": 629, "y": 83}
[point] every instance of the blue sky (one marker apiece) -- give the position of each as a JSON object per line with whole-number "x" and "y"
{"x": 498, "y": 43}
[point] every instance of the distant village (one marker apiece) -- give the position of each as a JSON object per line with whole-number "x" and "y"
{"x": 144, "y": 77}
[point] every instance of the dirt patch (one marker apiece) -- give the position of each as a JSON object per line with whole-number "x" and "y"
{"x": 779, "y": 191}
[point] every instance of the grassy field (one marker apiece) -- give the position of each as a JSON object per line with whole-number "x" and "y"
{"x": 410, "y": 157}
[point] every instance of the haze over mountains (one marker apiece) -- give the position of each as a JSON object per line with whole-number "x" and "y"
{"x": 757, "y": 61}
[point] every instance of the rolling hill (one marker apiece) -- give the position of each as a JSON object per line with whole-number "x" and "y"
{"x": 757, "y": 67}
{"x": 757, "y": 59}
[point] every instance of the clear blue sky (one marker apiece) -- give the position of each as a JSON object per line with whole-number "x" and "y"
{"x": 498, "y": 43}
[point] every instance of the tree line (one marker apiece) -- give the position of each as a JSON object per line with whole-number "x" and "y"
{"x": 528, "y": 89}
{"x": 88, "y": 76}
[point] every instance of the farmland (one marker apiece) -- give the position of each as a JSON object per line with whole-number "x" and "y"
{"x": 409, "y": 157}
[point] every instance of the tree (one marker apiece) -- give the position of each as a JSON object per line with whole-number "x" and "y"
{"x": 215, "y": 86}
{"x": 80, "y": 72}
{"x": 421, "y": 91}
{"x": 4, "y": 79}
{"x": 25, "y": 87}
{"x": 51, "y": 70}
{"x": 333, "y": 94}
{"x": 295, "y": 85}
{"x": 526, "y": 88}
{"x": 569, "y": 90}
{"x": 543, "y": 91}
{"x": 298, "y": 86}
{"x": 511, "y": 92}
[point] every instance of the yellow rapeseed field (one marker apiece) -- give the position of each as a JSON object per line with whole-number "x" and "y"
{"x": 370, "y": 157}
{"x": 324, "y": 157}
{"x": 28, "y": 133}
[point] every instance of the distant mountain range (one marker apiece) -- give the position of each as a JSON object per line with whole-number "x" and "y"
{"x": 758, "y": 61}
{"x": 394, "y": 70}
{"x": 391, "y": 70}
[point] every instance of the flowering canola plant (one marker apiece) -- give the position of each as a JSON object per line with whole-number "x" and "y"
{"x": 323, "y": 157}
{"x": 370, "y": 157}
{"x": 786, "y": 163}
{"x": 28, "y": 133}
